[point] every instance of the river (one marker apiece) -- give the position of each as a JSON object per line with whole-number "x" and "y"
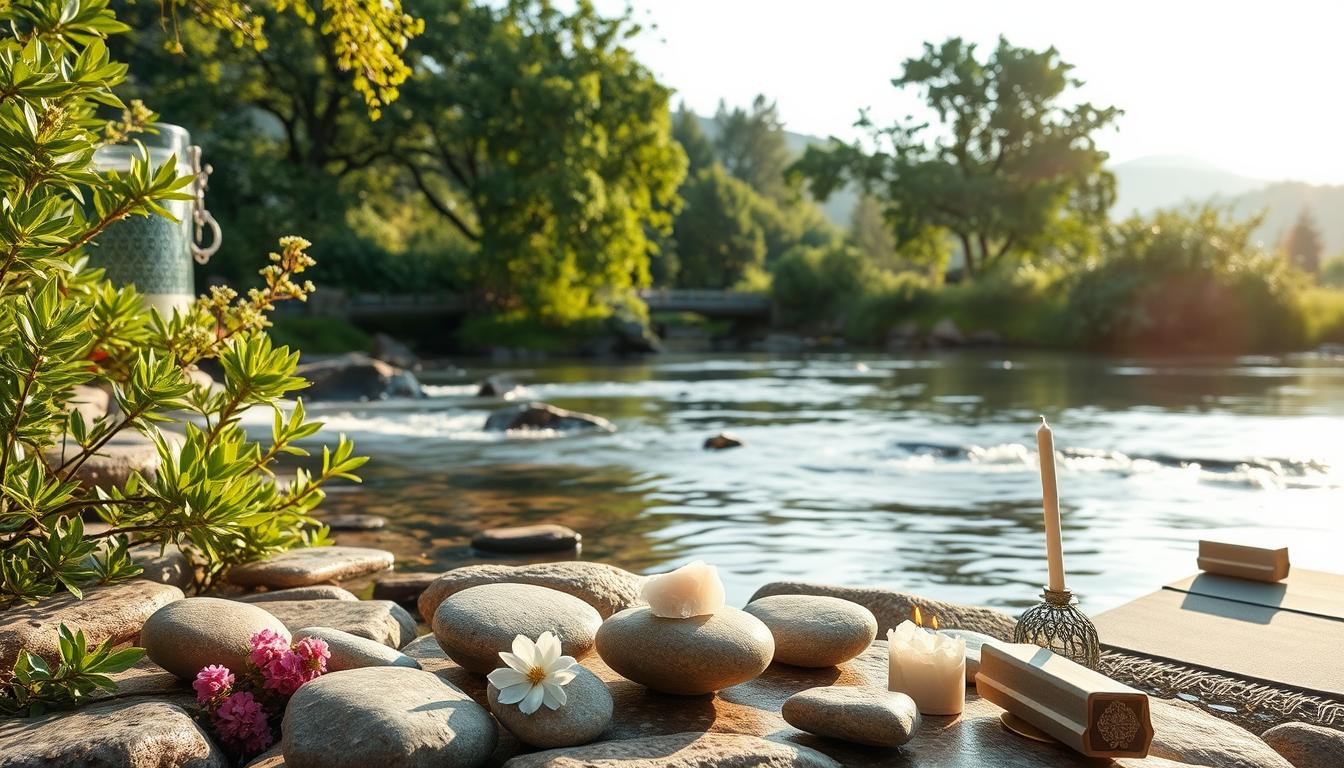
{"x": 914, "y": 471}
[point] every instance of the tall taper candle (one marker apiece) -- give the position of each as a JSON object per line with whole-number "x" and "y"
{"x": 1054, "y": 549}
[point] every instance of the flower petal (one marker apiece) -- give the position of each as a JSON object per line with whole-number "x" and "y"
{"x": 532, "y": 702}
{"x": 548, "y": 649}
{"x": 516, "y": 663}
{"x": 525, "y": 649}
{"x": 514, "y": 693}
{"x": 554, "y": 696}
{"x": 563, "y": 677}
{"x": 504, "y": 677}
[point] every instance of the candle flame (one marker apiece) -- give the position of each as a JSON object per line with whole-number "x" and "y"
{"x": 919, "y": 620}
{"x": 935, "y": 623}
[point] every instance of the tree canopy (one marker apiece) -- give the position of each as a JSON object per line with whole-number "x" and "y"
{"x": 751, "y": 146}
{"x": 1010, "y": 169}
{"x": 1304, "y": 245}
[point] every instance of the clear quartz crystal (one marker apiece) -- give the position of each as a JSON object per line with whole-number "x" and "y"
{"x": 692, "y": 590}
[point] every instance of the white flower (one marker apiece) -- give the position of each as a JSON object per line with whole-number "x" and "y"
{"x": 535, "y": 674}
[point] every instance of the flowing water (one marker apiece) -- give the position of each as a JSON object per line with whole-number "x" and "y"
{"x": 916, "y": 472}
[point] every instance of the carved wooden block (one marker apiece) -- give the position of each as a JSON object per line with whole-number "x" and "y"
{"x": 1243, "y": 561}
{"x": 1084, "y": 710}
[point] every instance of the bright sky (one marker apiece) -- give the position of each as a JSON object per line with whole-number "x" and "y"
{"x": 1253, "y": 88}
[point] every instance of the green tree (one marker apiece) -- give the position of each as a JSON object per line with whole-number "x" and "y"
{"x": 1011, "y": 171}
{"x": 752, "y": 147}
{"x": 718, "y": 239}
{"x": 869, "y": 232}
{"x": 686, "y": 130}
{"x": 1303, "y": 245}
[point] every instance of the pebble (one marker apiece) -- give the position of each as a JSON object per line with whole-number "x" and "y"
{"x": 354, "y": 652}
{"x": 382, "y": 621}
{"x": 605, "y": 587}
{"x": 385, "y": 716}
{"x": 315, "y": 592}
{"x": 688, "y": 657}
{"x": 523, "y": 539}
{"x": 582, "y": 718}
{"x": 474, "y": 625}
{"x": 813, "y": 630}
{"x": 128, "y": 733}
{"x": 866, "y": 715}
{"x": 310, "y": 565}
{"x": 185, "y": 635}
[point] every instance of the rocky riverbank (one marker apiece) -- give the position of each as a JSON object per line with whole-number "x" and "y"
{"x": 390, "y": 698}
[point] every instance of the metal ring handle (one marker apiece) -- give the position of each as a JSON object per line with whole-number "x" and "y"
{"x": 202, "y": 254}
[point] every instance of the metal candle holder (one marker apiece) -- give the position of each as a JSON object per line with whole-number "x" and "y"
{"x": 1057, "y": 624}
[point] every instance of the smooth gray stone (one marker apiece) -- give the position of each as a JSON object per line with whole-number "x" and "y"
{"x": 680, "y": 750}
{"x": 354, "y": 652}
{"x": 379, "y": 620}
{"x": 688, "y": 657}
{"x": 127, "y": 733}
{"x": 315, "y": 592}
{"x": 861, "y": 714}
{"x": 310, "y": 565}
{"x": 474, "y": 625}
{"x": 582, "y": 718}
{"x": 813, "y": 630}
{"x": 185, "y": 635}
{"x": 605, "y": 587}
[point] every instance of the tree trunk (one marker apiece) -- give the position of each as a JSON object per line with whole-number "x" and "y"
{"x": 968, "y": 256}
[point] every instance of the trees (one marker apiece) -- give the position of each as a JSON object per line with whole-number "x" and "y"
{"x": 1303, "y": 245}
{"x": 686, "y": 131}
{"x": 1010, "y": 171}
{"x": 718, "y": 239}
{"x": 751, "y": 146}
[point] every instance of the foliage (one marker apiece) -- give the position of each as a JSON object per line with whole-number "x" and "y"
{"x": 1187, "y": 282}
{"x": 686, "y": 131}
{"x": 1332, "y": 272}
{"x": 1323, "y": 310}
{"x": 817, "y": 285}
{"x": 1304, "y": 245}
{"x": 1012, "y": 171}
{"x": 718, "y": 237}
{"x": 751, "y": 146}
{"x": 34, "y": 687}
{"x": 62, "y": 326}
{"x": 318, "y": 335}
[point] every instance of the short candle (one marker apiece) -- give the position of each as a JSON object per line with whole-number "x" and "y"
{"x": 927, "y": 666}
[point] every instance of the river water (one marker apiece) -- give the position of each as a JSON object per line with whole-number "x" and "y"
{"x": 915, "y": 471}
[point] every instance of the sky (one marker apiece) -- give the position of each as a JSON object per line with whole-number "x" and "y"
{"x": 1252, "y": 88}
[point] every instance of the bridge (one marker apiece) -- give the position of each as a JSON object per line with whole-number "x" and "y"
{"x": 710, "y": 303}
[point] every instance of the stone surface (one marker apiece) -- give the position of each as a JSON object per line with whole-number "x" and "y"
{"x": 581, "y": 719}
{"x": 1307, "y": 746}
{"x": 404, "y": 588}
{"x": 543, "y": 416}
{"x": 310, "y": 565}
{"x": 946, "y": 333}
{"x": 114, "y": 612}
{"x": 891, "y": 608}
{"x": 869, "y": 715}
{"x": 416, "y": 720}
{"x": 145, "y": 678}
{"x": 974, "y": 642}
{"x": 680, "y": 750}
{"x": 271, "y": 758}
{"x": 315, "y": 592}
{"x": 545, "y": 537}
{"x": 354, "y": 652}
{"x": 128, "y": 451}
{"x": 1185, "y": 733}
{"x": 813, "y": 630}
{"x": 130, "y": 733}
{"x": 353, "y": 522}
{"x": 498, "y": 386}
{"x": 723, "y": 441}
{"x": 975, "y": 740}
{"x": 382, "y": 621}
{"x": 605, "y": 587}
{"x": 393, "y": 352}
{"x": 355, "y": 376}
{"x": 688, "y": 657}
{"x": 474, "y": 625}
{"x": 185, "y": 635}
{"x": 170, "y": 566}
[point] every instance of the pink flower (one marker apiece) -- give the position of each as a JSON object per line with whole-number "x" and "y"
{"x": 212, "y": 682}
{"x": 241, "y": 721}
{"x": 315, "y": 653}
{"x": 267, "y": 645}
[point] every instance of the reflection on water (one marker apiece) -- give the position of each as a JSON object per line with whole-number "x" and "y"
{"x": 911, "y": 472}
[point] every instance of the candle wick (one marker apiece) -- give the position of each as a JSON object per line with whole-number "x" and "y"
{"x": 1043, "y": 424}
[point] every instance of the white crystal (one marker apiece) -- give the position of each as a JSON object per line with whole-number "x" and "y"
{"x": 692, "y": 590}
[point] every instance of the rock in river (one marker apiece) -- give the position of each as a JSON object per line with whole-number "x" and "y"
{"x": 310, "y": 565}
{"x": 581, "y": 719}
{"x": 688, "y": 657}
{"x": 522, "y": 539}
{"x": 605, "y": 587}
{"x": 354, "y": 652}
{"x": 474, "y": 625}
{"x": 130, "y": 733}
{"x": 355, "y": 376}
{"x": 543, "y": 416}
{"x": 869, "y": 715}
{"x": 814, "y": 630}
{"x": 680, "y": 750}
{"x": 723, "y": 441}
{"x": 381, "y": 621}
{"x": 385, "y": 716}
{"x": 185, "y": 635}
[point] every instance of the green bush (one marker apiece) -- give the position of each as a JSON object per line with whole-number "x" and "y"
{"x": 319, "y": 335}
{"x": 814, "y": 288}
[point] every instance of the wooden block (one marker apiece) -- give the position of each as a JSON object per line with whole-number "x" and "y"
{"x": 1084, "y": 710}
{"x": 1243, "y": 561}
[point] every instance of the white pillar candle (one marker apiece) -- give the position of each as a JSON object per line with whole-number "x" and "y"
{"x": 1054, "y": 548}
{"x": 927, "y": 666}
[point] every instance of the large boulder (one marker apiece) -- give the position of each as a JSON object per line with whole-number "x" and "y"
{"x": 114, "y": 612}
{"x": 1307, "y": 746}
{"x": 385, "y": 716}
{"x": 355, "y": 376}
{"x": 891, "y": 607}
{"x": 382, "y": 621}
{"x": 605, "y": 587}
{"x": 310, "y": 565}
{"x": 129, "y": 733}
{"x": 185, "y": 635}
{"x": 536, "y": 416}
{"x": 393, "y": 352}
{"x": 679, "y": 750}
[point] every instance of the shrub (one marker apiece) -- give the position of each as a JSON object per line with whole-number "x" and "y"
{"x": 814, "y": 288}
